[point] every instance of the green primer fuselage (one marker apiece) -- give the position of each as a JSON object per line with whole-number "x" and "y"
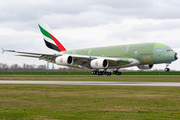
{"x": 145, "y": 53}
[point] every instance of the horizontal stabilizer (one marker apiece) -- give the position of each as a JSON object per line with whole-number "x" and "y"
{"x": 3, "y": 50}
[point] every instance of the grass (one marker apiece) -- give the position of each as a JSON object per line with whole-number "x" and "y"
{"x": 96, "y": 78}
{"x": 89, "y": 102}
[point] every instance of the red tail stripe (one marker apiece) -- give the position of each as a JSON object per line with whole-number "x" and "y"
{"x": 60, "y": 46}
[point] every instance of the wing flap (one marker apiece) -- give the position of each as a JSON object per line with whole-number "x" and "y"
{"x": 28, "y": 56}
{"x": 84, "y": 61}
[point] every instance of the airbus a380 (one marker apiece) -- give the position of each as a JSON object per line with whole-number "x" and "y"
{"x": 102, "y": 59}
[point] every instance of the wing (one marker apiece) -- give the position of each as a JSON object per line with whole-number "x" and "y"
{"x": 80, "y": 61}
{"x": 40, "y": 56}
{"x": 83, "y": 61}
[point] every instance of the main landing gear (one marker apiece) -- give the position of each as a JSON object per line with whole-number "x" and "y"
{"x": 167, "y": 69}
{"x": 116, "y": 72}
{"x": 100, "y": 73}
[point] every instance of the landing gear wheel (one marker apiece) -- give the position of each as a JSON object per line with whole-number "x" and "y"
{"x": 100, "y": 73}
{"x": 108, "y": 73}
{"x": 167, "y": 69}
{"x": 116, "y": 73}
{"x": 94, "y": 72}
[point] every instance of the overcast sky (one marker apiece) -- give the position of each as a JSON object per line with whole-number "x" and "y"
{"x": 87, "y": 23}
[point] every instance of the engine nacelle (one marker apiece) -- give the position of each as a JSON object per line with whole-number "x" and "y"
{"x": 99, "y": 63}
{"x": 145, "y": 66}
{"x": 64, "y": 60}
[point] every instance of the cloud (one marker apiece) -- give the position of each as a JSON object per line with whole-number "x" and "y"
{"x": 15, "y": 10}
{"x": 21, "y": 15}
{"x": 21, "y": 40}
{"x": 157, "y": 25}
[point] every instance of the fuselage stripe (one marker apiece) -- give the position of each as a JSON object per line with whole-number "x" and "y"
{"x": 60, "y": 46}
{"x": 51, "y": 46}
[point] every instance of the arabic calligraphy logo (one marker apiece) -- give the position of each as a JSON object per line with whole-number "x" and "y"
{"x": 61, "y": 60}
{"x": 96, "y": 63}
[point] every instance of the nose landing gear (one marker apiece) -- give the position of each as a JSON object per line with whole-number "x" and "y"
{"x": 167, "y": 69}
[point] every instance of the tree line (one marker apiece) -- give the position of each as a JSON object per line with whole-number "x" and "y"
{"x": 43, "y": 68}
{"x": 36, "y": 68}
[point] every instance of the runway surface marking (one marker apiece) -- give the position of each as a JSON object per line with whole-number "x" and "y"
{"x": 92, "y": 83}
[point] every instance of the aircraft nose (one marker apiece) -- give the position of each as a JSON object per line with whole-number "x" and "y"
{"x": 176, "y": 56}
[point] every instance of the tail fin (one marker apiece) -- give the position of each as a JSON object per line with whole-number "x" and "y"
{"x": 50, "y": 39}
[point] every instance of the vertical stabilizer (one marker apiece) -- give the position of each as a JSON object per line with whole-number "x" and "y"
{"x": 50, "y": 40}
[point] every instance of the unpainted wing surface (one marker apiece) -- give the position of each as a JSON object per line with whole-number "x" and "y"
{"x": 83, "y": 61}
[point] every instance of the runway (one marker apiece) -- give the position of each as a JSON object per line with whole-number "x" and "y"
{"x": 91, "y": 83}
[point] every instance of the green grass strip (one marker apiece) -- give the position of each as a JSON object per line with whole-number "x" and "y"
{"x": 89, "y": 102}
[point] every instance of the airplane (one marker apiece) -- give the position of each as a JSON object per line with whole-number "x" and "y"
{"x": 101, "y": 60}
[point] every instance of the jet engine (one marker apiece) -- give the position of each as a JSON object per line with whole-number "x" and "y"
{"x": 64, "y": 60}
{"x": 145, "y": 66}
{"x": 99, "y": 63}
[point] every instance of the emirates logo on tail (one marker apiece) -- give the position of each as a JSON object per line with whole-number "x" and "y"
{"x": 51, "y": 41}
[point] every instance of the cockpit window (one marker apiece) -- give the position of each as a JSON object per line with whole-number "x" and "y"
{"x": 169, "y": 50}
